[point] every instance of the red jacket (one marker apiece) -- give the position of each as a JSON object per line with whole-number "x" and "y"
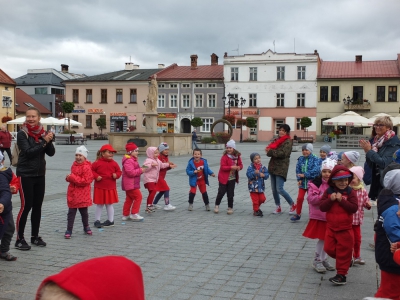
{"x": 163, "y": 172}
{"x": 105, "y": 168}
{"x": 5, "y": 139}
{"x": 80, "y": 179}
{"x": 225, "y": 169}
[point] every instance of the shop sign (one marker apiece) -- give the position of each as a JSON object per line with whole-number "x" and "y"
{"x": 118, "y": 118}
{"x": 95, "y": 111}
{"x": 167, "y": 115}
{"x": 78, "y": 111}
{"x": 245, "y": 112}
{"x": 117, "y": 114}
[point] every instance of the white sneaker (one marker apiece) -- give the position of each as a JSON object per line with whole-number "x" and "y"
{"x": 136, "y": 217}
{"x": 156, "y": 206}
{"x": 124, "y": 218}
{"x": 169, "y": 207}
{"x": 318, "y": 266}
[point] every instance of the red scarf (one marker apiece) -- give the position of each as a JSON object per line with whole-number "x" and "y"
{"x": 34, "y": 131}
{"x": 257, "y": 166}
{"x": 278, "y": 141}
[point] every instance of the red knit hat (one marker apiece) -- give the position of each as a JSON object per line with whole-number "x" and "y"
{"x": 124, "y": 279}
{"x": 130, "y": 147}
{"x": 107, "y": 147}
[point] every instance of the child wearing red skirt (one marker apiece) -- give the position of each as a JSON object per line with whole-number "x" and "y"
{"x": 106, "y": 171}
{"x": 316, "y": 226}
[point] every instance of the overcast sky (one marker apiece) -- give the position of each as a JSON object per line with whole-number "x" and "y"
{"x": 99, "y": 36}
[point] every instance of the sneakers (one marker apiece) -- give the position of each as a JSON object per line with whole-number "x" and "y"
{"x": 190, "y": 208}
{"x": 278, "y": 210}
{"x": 38, "y": 241}
{"x": 207, "y": 207}
{"x": 359, "y": 261}
{"x": 338, "y": 279}
{"x": 295, "y": 218}
{"x": 229, "y": 211}
{"x": 156, "y": 206}
{"x": 97, "y": 224}
{"x": 292, "y": 210}
{"x": 88, "y": 231}
{"x": 372, "y": 246}
{"x": 22, "y": 245}
{"x": 258, "y": 213}
{"x": 318, "y": 266}
{"x": 136, "y": 217}
{"x": 328, "y": 266}
{"x": 107, "y": 224}
{"x": 150, "y": 209}
{"x": 125, "y": 218}
{"x": 216, "y": 209}
{"x": 8, "y": 256}
{"x": 68, "y": 234}
{"x": 169, "y": 207}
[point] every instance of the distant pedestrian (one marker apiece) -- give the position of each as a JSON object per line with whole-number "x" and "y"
{"x": 228, "y": 175}
{"x": 130, "y": 183}
{"x": 106, "y": 171}
{"x": 79, "y": 191}
{"x": 194, "y": 139}
{"x": 257, "y": 173}
{"x": 5, "y": 141}
{"x": 198, "y": 171}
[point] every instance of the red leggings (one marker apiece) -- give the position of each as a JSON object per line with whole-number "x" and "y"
{"x": 201, "y": 185}
{"x": 300, "y": 200}
{"x": 390, "y": 287}
{"x": 357, "y": 241}
{"x": 257, "y": 199}
{"x": 339, "y": 245}
{"x": 151, "y": 187}
{"x": 133, "y": 199}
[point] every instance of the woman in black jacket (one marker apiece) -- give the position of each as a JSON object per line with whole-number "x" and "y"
{"x": 33, "y": 142}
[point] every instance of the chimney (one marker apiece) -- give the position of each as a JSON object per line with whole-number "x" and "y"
{"x": 214, "y": 59}
{"x": 193, "y": 61}
{"x": 64, "y": 68}
{"x": 161, "y": 66}
{"x": 358, "y": 58}
{"x": 131, "y": 66}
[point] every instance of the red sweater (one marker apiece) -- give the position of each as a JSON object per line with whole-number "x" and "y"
{"x": 226, "y": 167}
{"x": 5, "y": 139}
{"x": 105, "y": 168}
{"x": 163, "y": 172}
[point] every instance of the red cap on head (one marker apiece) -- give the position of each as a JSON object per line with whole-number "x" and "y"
{"x": 130, "y": 147}
{"x": 107, "y": 147}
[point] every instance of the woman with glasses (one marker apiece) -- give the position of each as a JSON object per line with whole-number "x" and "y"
{"x": 379, "y": 152}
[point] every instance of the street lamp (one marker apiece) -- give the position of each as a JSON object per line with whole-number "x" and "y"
{"x": 231, "y": 101}
{"x": 241, "y": 103}
{"x": 347, "y": 101}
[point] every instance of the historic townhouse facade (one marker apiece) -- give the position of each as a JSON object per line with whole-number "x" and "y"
{"x": 7, "y": 90}
{"x": 278, "y": 88}
{"x": 370, "y": 86}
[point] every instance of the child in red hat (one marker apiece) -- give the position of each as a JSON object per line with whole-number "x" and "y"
{"x": 106, "y": 172}
{"x": 131, "y": 172}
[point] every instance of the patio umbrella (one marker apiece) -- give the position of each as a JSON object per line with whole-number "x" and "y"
{"x": 72, "y": 122}
{"x": 50, "y": 121}
{"x": 372, "y": 119}
{"x": 20, "y": 120}
{"x": 349, "y": 118}
{"x": 396, "y": 120}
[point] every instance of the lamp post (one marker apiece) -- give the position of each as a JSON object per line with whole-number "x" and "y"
{"x": 241, "y": 103}
{"x": 347, "y": 101}
{"x": 230, "y": 102}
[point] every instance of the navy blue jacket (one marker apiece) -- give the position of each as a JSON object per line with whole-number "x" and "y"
{"x": 5, "y": 198}
{"x": 193, "y": 176}
{"x": 256, "y": 183}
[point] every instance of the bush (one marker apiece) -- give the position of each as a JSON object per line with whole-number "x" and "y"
{"x": 66, "y": 131}
{"x": 222, "y": 137}
{"x": 208, "y": 140}
{"x": 229, "y": 118}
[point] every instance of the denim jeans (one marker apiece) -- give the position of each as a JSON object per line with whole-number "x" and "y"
{"x": 277, "y": 183}
{"x": 194, "y": 145}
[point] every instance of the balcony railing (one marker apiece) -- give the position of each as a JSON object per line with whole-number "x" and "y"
{"x": 358, "y": 107}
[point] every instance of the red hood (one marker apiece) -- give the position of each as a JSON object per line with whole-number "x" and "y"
{"x": 336, "y": 170}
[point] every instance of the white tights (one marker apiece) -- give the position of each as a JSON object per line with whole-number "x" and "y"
{"x": 110, "y": 212}
{"x": 320, "y": 254}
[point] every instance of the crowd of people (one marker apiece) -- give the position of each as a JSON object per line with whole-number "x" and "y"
{"x": 331, "y": 183}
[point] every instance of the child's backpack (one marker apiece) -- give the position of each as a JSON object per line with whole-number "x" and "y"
{"x": 15, "y": 153}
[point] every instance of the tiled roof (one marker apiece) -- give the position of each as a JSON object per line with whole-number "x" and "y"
{"x": 123, "y": 75}
{"x": 5, "y": 79}
{"x": 39, "y": 79}
{"x": 175, "y": 72}
{"x": 22, "y": 98}
{"x": 365, "y": 69}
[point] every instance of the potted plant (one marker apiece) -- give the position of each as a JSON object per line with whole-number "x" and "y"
{"x": 222, "y": 137}
{"x": 5, "y": 119}
{"x": 229, "y": 118}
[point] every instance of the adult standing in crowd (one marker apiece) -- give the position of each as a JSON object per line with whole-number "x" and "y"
{"x": 5, "y": 141}
{"x": 379, "y": 153}
{"x": 279, "y": 151}
{"x": 34, "y": 142}
{"x": 194, "y": 139}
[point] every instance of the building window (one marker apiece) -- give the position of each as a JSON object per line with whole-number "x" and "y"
{"x": 277, "y": 124}
{"x": 380, "y": 93}
{"x": 161, "y": 101}
{"x": 185, "y": 85}
{"x": 253, "y": 100}
{"x": 199, "y": 85}
{"x": 88, "y": 121}
{"x": 211, "y": 85}
{"x": 234, "y": 74}
{"x": 89, "y": 96}
{"x": 41, "y": 91}
{"x": 211, "y": 100}
{"x": 75, "y": 118}
{"x": 253, "y": 74}
{"x": 173, "y": 100}
{"x": 392, "y": 94}
{"x": 235, "y": 102}
{"x": 358, "y": 94}
{"x": 55, "y": 91}
{"x": 173, "y": 86}
{"x": 280, "y": 73}
{"x": 185, "y": 100}
{"x": 161, "y": 85}
{"x": 7, "y": 101}
{"x": 334, "y": 94}
{"x": 298, "y": 126}
{"x": 280, "y": 100}
{"x": 207, "y": 122}
{"x": 301, "y": 73}
{"x": 301, "y": 100}
{"x": 199, "y": 100}
{"x": 133, "y": 96}
{"x": 103, "y": 96}
{"x": 118, "y": 96}
{"x": 323, "y": 93}
{"x": 75, "y": 96}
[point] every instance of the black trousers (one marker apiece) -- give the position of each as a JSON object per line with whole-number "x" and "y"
{"x": 31, "y": 194}
{"x": 71, "y": 217}
{"x": 7, "y": 236}
{"x": 229, "y": 190}
{"x": 8, "y": 152}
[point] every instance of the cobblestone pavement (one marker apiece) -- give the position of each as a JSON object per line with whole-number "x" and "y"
{"x": 190, "y": 254}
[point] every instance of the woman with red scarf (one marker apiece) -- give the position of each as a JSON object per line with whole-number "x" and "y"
{"x": 33, "y": 142}
{"x": 279, "y": 151}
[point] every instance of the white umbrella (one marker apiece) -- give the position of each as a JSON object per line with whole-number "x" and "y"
{"x": 349, "y": 118}
{"x": 20, "y": 120}
{"x": 396, "y": 120}
{"x": 50, "y": 121}
{"x": 373, "y": 118}
{"x": 72, "y": 122}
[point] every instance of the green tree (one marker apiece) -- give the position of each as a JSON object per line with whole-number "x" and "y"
{"x": 305, "y": 122}
{"x": 196, "y": 122}
{"x": 68, "y": 108}
{"x": 101, "y": 123}
{"x": 251, "y": 122}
